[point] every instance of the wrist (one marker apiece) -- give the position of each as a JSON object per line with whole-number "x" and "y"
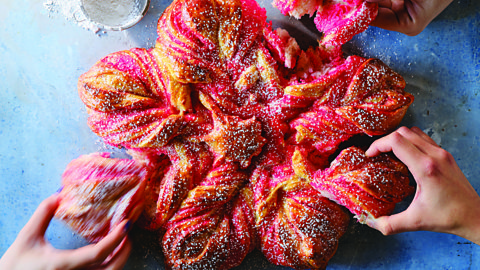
{"x": 469, "y": 226}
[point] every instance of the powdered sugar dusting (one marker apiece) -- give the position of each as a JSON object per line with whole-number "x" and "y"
{"x": 71, "y": 10}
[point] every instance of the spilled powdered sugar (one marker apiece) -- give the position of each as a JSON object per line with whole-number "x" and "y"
{"x": 71, "y": 10}
{"x": 96, "y": 15}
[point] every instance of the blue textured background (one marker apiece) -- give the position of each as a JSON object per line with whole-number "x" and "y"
{"x": 43, "y": 122}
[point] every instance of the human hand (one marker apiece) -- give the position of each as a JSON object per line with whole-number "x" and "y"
{"x": 31, "y": 250}
{"x": 444, "y": 201}
{"x": 407, "y": 16}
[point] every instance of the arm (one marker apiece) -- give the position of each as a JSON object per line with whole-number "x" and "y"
{"x": 444, "y": 201}
{"x": 30, "y": 250}
{"x": 407, "y": 16}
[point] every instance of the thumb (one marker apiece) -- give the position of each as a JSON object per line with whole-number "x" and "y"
{"x": 38, "y": 223}
{"x": 393, "y": 224}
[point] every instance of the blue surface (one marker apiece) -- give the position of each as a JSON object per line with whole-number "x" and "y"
{"x": 43, "y": 122}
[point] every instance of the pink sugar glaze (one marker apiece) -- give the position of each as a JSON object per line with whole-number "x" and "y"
{"x": 317, "y": 64}
{"x": 295, "y": 222}
{"x": 213, "y": 226}
{"x": 284, "y": 48}
{"x": 177, "y": 169}
{"x": 354, "y": 198}
{"x": 297, "y": 8}
{"x": 137, "y": 129}
{"x": 140, "y": 65}
{"x": 99, "y": 165}
{"x": 329, "y": 129}
{"x": 323, "y": 121}
{"x": 340, "y": 21}
{"x": 366, "y": 186}
{"x": 202, "y": 49}
{"x": 99, "y": 193}
{"x": 206, "y": 63}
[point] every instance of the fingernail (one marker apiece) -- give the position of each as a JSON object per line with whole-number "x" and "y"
{"x": 128, "y": 226}
{"x": 59, "y": 190}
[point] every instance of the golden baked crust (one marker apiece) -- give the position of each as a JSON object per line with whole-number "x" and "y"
{"x": 367, "y": 186}
{"x": 234, "y": 125}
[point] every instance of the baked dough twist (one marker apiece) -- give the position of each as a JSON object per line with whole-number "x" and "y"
{"x": 233, "y": 125}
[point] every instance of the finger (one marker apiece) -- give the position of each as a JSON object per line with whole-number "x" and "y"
{"x": 393, "y": 224}
{"x": 38, "y": 223}
{"x": 387, "y": 19}
{"x": 382, "y": 3}
{"x": 394, "y": 142}
{"x": 422, "y": 134}
{"x": 403, "y": 149}
{"x": 95, "y": 254}
{"x": 421, "y": 140}
{"x": 120, "y": 257}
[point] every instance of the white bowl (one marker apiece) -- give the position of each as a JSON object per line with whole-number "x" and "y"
{"x": 114, "y": 15}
